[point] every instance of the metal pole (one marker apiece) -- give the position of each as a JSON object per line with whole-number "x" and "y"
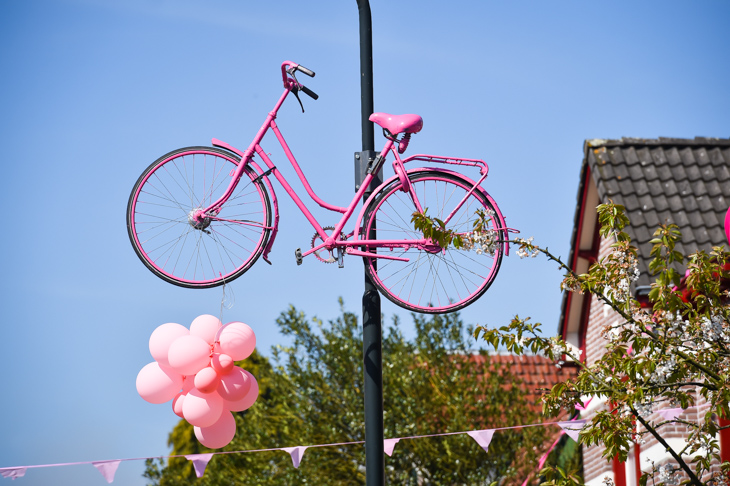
{"x": 371, "y": 318}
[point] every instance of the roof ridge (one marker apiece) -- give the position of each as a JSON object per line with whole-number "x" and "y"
{"x": 601, "y": 142}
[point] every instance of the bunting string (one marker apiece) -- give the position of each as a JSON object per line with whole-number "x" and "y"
{"x": 108, "y": 468}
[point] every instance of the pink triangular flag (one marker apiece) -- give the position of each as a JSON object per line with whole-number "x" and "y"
{"x": 584, "y": 405}
{"x": 670, "y": 413}
{"x": 389, "y": 445}
{"x": 107, "y": 469}
{"x": 483, "y": 437}
{"x": 573, "y": 428}
{"x": 200, "y": 462}
{"x": 296, "y": 454}
{"x": 13, "y": 472}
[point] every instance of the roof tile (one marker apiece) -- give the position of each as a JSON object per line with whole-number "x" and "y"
{"x": 701, "y": 156}
{"x": 656, "y": 187}
{"x": 658, "y": 156}
{"x": 646, "y": 202}
{"x": 631, "y": 203}
{"x": 626, "y": 187}
{"x": 722, "y": 173}
{"x": 660, "y": 202}
{"x": 698, "y": 188}
{"x": 649, "y": 171}
{"x": 630, "y": 155}
{"x": 664, "y": 172}
{"x": 641, "y": 187}
{"x": 702, "y": 236}
{"x": 713, "y": 188}
{"x": 718, "y": 234}
{"x": 651, "y": 218}
{"x": 680, "y": 219}
{"x": 693, "y": 172}
{"x": 673, "y": 156}
{"x": 670, "y": 188}
{"x": 687, "y": 156}
{"x": 684, "y": 187}
{"x": 665, "y": 217}
{"x": 716, "y": 157}
{"x": 708, "y": 174}
{"x": 710, "y": 219}
{"x": 704, "y": 203}
{"x": 637, "y": 215}
{"x": 720, "y": 204}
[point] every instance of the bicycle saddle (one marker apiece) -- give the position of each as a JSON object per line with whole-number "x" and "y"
{"x": 397, "y": 124}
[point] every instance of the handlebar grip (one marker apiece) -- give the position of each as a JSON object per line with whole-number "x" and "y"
{"x": 306, "y": 71}
{"x": 310, "y": 93}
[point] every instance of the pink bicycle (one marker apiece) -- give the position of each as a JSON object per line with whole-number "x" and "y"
{"x": 200, "y": 217}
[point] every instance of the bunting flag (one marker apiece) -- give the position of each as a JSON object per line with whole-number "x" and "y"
{"x": 107, "y": 469}
{"x": 389, "y": 445}
{"x": 573, "y": 428}
{"x": 483, "y": 437}
{"x": 584, "y": 405}
{"x": 200, "y": 462}
{"x": 13, "y": 472}
{"x": 296, "y": 454}
{"x": 670, "y": 413}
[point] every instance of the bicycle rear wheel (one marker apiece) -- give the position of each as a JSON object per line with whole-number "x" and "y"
{"x": 432, "y": 282}
{"x": 198, "y": 252}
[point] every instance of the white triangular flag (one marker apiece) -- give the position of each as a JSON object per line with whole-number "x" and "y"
{"x": 483, "y": 437}
{"x": 296, "y": 454}
{"x": 670, "y": 413}
{"x": 107, "y": 469}
{"x": 200, "y": 462}
{"x": 573, "y": 428}
{"x": 389, "y": 445}
{"x": 13, "y": 472}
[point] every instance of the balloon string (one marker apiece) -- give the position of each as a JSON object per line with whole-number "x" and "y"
{"x": 228, "y": 300}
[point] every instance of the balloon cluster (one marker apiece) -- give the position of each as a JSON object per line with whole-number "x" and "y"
{"x": 195, "y": 369}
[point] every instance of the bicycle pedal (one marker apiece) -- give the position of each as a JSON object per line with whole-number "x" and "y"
{"x": 298, "y": 255}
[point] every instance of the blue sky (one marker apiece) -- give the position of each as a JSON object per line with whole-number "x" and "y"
{"x": 93, "y": 91}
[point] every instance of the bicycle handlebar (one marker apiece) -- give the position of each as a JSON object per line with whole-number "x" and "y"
{"x": 286, "y": 66}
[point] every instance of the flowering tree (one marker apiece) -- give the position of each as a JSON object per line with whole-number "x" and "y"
{"x": 667, "y": 356}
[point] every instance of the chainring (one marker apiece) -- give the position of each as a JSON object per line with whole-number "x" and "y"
{"x": 317, "y": 240}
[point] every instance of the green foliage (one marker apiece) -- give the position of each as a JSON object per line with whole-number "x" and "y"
{"x": 664, "y": 357}
{"x": 312, "y": 393}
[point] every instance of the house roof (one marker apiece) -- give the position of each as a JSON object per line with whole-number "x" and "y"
{"x": 665, "y": 180}
{"x": 535, "y": 373}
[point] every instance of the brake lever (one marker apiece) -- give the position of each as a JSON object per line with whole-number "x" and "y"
{"x": 295, "y": 90}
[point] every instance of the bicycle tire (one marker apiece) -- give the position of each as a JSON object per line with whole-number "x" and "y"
{"x": 466, "y": 275}
{"x": 191, "y": 253}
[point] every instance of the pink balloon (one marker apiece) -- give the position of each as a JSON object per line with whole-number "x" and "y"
{"x": 237, "y": 340}
{"x": 156, "y": 384}
{"x": 202, "y": 409}
{"x": 207, "y": 380}
{"x": 188, "y": 383}
{"x": 248, "y": 400}
{"x": 235, "y": 385}
{"x": 218, "y": 435}
{"x": 161, "y": 339}
{"x": 188, "y": 354}
{"x": 222, "y": 363}
{"x": 205, "y": 327}
{"x": 177, "y": 404}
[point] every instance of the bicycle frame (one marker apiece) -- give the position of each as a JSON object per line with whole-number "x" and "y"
{"x": 334, "y": 240}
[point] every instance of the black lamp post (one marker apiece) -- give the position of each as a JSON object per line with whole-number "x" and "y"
{"x": 371, "y": 316}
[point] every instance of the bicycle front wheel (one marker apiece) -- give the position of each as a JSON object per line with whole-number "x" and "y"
{"x": 174, "y": 241}
{"x": 434, "y": 280}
